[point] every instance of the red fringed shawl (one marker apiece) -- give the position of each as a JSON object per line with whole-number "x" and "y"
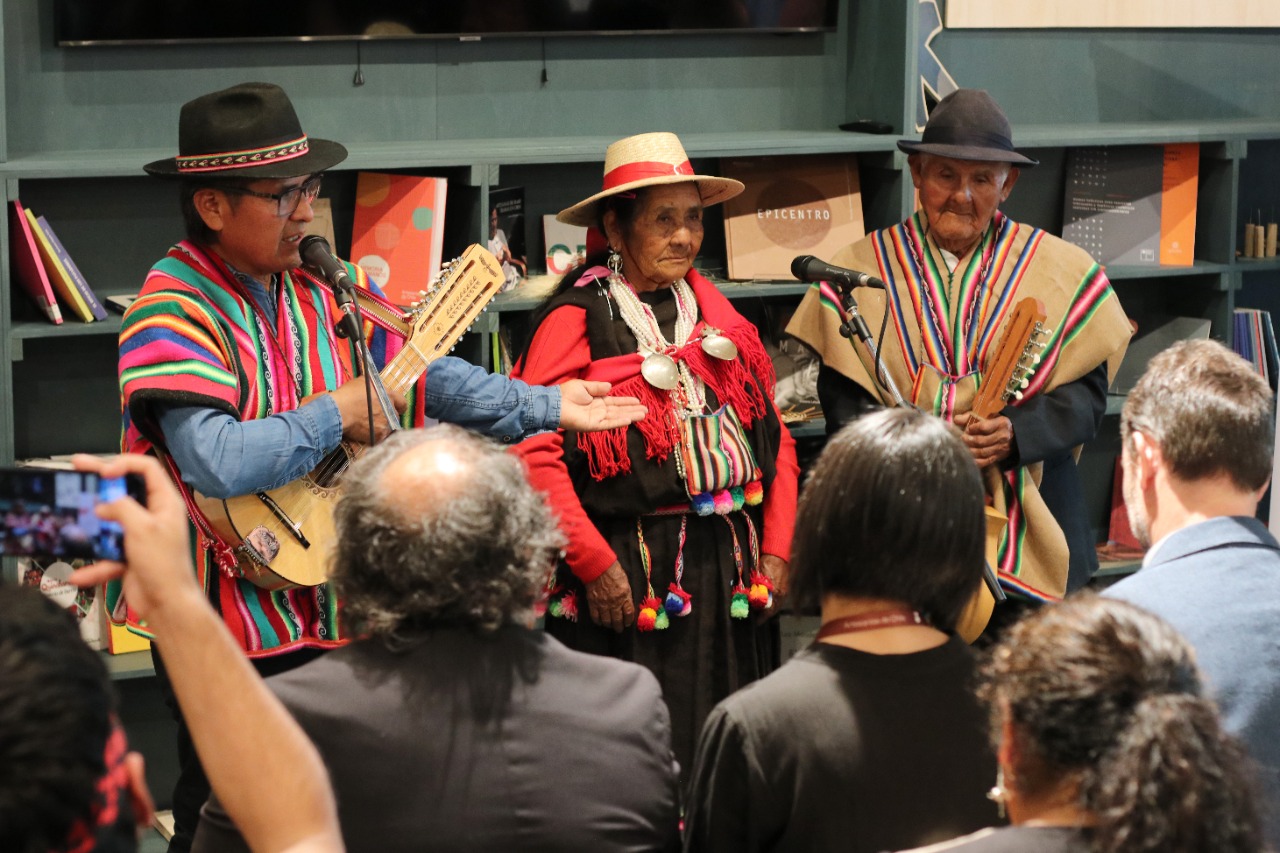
{"x": 731, "y": 382}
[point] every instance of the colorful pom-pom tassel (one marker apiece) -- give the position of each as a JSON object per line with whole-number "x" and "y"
{"x": 761, "y": 594}
{"x": 652, "y": 617}
{"x": 753, "y": 493}
{"x": 724, "y": 502}
{"x": 565, "y": 606}
{"x": 739, "y": 497}
{"x": 679, "y": 602}
{"x": 739, "y": 607}
{"x": 703, "y": 504}
{"x": 569, "y": 606}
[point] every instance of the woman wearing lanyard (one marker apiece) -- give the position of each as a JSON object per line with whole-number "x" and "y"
{"x": 870, "y": 739}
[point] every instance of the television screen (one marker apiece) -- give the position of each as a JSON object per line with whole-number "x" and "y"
{"x": 90, "y": 22}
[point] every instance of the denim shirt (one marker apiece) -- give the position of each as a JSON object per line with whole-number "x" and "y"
{"x": 220, "y": 456}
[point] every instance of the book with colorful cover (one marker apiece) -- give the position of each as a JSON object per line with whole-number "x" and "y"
{"x": 28, "y": 268}
{"x": 566, "y": 245}
{"x": 84, "y": 604}
{"x": 77, "y": 278}
{"x": 397, "y": 235}
{"x": 506, "y": 233}
{"x": 58, "y": 275}
{"x": 796, "y": 205}
{"x": 1133, "y": 204}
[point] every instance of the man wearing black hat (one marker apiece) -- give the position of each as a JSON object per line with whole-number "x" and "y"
{"x": 231, "y": 372}
{"x": 954, "y": 271}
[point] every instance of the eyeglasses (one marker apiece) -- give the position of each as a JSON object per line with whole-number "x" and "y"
{"x": 286, "y": 202}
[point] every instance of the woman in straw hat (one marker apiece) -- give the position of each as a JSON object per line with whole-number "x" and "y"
{"x": 679, "y": 527}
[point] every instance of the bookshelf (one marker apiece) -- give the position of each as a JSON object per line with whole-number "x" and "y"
{"x": 76, "y": 125}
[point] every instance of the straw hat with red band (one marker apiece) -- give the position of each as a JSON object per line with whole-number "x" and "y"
{"x": 250, "y": 131}
{"x": 647, "y": 160}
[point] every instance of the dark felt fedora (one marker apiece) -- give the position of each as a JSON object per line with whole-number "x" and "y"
{"x": 250, "y": 130}
{"x": 968, "y": 124}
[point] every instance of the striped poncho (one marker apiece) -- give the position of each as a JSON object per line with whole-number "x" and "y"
{"x": 943, "y": 331}
{"x": 194, "y": 337}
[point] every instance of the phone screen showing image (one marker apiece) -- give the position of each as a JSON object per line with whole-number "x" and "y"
{"x": 50, "y": 514}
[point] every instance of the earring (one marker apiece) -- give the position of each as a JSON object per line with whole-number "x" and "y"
{"x": 998, "y": 793}
{"x": 615, "y": 261}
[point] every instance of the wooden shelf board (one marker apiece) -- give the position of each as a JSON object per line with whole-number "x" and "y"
{"x": 68, "y": 328}
{"x": 439, "y": 153}
{"x": 129, "y": 665}
{"x": 1121, "y": 272}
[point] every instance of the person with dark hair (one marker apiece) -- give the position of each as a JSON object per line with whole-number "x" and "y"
{"x": 954, "y": 273}
{"x": 870, "y": 739}
{"x": 1107, "y": 742}
{"x": 232, "y": 372}
{"x": 1197, "y": 437}
{"x": 69, "y": 781}
{"x": 451, "y": 723}
{"x": 680, "y": 524}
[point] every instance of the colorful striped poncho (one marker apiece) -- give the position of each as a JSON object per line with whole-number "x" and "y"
{"x": 194, "y": 337}
{"x": 944, "y": 328}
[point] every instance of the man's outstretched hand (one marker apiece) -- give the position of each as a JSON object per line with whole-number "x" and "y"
{"x": 586, "y": 407}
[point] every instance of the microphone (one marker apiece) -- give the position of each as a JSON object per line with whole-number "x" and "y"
{"x": 809, "y": 268}
{"x": 316, "y": 253}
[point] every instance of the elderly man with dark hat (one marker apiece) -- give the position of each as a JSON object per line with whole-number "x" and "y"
{"x": 232, "y": 373}
{"x": 954, "y": 272}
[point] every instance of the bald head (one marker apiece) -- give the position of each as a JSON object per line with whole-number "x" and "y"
{"x": 424, "y": 477}
{"x": 439, "y": 527}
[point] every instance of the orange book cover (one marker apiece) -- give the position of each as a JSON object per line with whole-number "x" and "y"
{"x": 1178, "y": 204}
{"x": 397, "y": 235}
{"x": 798, "y": 205}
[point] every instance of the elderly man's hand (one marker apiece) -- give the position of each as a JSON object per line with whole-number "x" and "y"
{"x": 157, "y": 570}
{"x": 585, "y": 407}
{"x": 990, "y": 440}
{"x": 609, "y": 599}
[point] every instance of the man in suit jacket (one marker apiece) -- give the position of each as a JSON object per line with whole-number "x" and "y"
{"x": 452, "y": 724}
{"x": 1197, "y": 447}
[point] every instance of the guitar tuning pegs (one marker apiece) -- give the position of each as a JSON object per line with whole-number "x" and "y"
{"x": 1024, "y": 383}
{"x": 1017, "y": 395}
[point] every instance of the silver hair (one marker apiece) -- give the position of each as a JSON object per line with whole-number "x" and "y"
{"x": 477, "y": 555}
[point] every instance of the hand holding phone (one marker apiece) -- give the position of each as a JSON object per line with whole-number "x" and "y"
{"x": 49, "y": 514}
{"x": 156, "y": 566}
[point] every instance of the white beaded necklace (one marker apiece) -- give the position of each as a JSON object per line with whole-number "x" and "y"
{"x": 640, "y": 320}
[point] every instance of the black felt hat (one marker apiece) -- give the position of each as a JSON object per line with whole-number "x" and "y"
{"x": 250, "y": 130}
{"x": 968, "y": 124}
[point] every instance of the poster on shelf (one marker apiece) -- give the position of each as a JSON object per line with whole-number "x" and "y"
{"x": 802, "y": 205}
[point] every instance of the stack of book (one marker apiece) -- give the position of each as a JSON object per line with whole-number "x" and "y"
{"x": 43, "y": 267}
{"x": 1254, "y": 338}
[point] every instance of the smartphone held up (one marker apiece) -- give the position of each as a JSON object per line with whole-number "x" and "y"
{"x": 48, "y": 513}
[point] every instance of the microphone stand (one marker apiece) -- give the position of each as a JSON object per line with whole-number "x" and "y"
{"x": 853, "y": 325}
{"x": 349, "y": 326}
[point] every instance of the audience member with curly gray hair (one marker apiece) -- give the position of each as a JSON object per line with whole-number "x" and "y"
{"x": 446, "y": 504}
{"x": 451, "y": 723}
